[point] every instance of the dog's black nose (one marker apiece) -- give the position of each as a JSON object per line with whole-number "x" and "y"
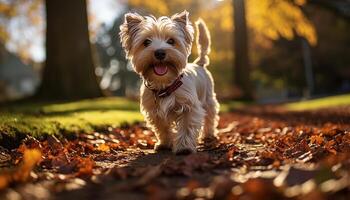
{"x": 160, "y": 54}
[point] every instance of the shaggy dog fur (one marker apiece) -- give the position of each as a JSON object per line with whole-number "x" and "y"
{"x": 190, "y": 111}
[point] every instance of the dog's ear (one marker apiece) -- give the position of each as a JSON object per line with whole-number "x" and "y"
{"x": 184, "y": 23}
{"x": 129, "y": 29}
{"x": 181, "y": 18}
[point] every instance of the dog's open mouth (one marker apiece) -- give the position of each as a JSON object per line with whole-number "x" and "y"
{"x": 160, "y": 69}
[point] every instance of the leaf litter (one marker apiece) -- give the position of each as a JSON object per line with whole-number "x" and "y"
{"x": 257, "y": 155}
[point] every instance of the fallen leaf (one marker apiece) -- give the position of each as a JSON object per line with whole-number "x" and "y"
{"x": 316, "y": 139}
{"x": 103, "y": 147}
{"x": 22, "y": 173}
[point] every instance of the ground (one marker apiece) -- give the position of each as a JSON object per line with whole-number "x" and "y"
{"x": 262, "y": 152}
{"x": 40, "y": 119}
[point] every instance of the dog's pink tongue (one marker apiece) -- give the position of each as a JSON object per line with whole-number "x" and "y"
{"x": 160, "y": 70}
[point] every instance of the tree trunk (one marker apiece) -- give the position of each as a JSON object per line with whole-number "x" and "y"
{"x": 69, "y": 70}
{"x": 338, "y": 7}
{"x": 307, "y": 61}
{"x": 241, "y": 63}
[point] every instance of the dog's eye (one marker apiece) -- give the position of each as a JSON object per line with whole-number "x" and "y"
{"x": 171, "y": 41}
{"x": 147, "y": 42}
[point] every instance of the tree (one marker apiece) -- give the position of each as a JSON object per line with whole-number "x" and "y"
{"x": 241, "y": 63}
{"x": 270, "y": 22}
{"x": 69, "y": 69}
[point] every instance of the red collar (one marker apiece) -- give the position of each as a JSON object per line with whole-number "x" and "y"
{"x": 168, "y": 90}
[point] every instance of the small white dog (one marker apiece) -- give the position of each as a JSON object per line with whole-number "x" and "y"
{"x": 177, "y": 97}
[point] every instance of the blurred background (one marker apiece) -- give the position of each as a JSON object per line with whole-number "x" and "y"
{"x": 262, "y": 50}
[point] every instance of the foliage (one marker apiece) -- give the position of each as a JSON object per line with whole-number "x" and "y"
{"x": 275, "y": 19}
{"x": 268, "y": 17}
{"x": 275, "y": 29}
{"x": 268, "y": 20}
{"x": 281, "y": 66}
{"x": 20, "y": 22}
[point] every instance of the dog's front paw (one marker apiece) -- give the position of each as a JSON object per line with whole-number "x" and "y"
{"x": 162, "y": 147}
{"x": 184, "y": 150}
{"x": 209, "y": 139}
{"x": 210, "y": 142}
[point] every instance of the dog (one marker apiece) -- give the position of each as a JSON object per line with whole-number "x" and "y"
{"x": 177, "y": 98}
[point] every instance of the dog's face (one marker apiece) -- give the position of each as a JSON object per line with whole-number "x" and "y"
{"x": 158, "y": 48}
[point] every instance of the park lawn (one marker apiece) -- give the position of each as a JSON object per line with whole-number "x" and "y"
{"x": 41, "y": 119}
{"x": 325, "y": 102}
{"x": 229, "y": 106}
{"x": 303, "y": 105}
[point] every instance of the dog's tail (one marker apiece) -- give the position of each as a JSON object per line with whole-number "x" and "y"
{"x": 203, "y": 43}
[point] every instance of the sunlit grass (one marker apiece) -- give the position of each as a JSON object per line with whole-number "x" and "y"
{"x": 40, "y": 119}
{"x": 326, "y": 102}
{"x": 114, "y": 103}
{"x": 232, "y": 105}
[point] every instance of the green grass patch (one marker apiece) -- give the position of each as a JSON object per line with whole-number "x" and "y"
{"x": 40, "y": 119}
{"x": 232, "y": 105}
{"x": 325, "y": 102}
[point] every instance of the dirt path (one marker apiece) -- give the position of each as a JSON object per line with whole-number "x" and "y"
{"x": 261, "y": 153}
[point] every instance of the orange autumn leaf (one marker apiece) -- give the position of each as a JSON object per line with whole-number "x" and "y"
{"x": 86, "y": 166}
{"x": 21, "y": 174}
{"x": 316, "y": 139}
{"x": 330, "y": 146}
{"x": 103, "y": 147}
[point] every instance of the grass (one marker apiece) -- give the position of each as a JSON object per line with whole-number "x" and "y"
{"x": 40, "y": 119}
{"x": 325, "y": 102}
{"x": 232, "y": 105}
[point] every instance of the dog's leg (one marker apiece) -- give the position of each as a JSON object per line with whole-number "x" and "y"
{"x": 211, "y": 120}
{"x": 161, "y": 128}
{"x": 189, "y": 125}
{"x": 163, "y": 133}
